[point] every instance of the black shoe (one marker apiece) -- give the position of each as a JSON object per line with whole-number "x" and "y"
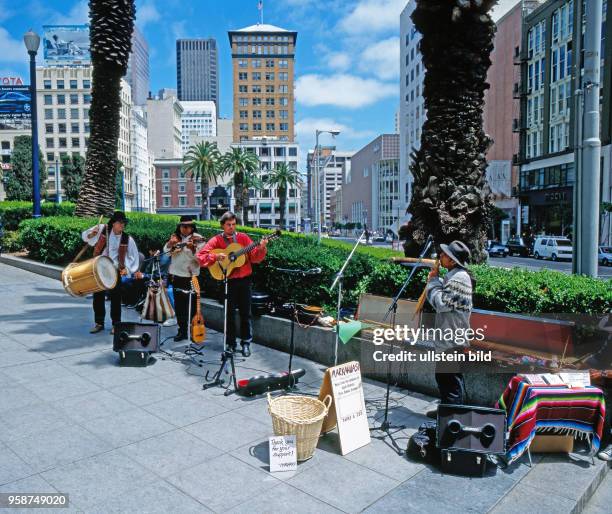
{"x": 181, "y": 336}
{"x": 97, "y": 328}
{"x": 231, "y": 348}
{"x": 246, "y": 350}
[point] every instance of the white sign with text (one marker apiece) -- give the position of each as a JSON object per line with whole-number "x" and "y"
{"x": 349, "y": 402}
{"x": 283, "y": 453}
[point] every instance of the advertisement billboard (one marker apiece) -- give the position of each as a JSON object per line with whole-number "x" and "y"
{"x": 15, "y": 102}
{"x": 66, "y": 44}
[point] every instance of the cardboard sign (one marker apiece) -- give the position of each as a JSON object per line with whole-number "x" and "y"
{"x": 349, "y": 406}
{"x": 283, "y": 453}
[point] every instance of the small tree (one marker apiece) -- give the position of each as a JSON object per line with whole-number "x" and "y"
{"x": 19, "y": 177}
{"x": 202, "y": 163}
{"x": 72, "y": 172}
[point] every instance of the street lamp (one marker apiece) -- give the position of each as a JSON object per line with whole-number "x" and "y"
{"x": 316, "y": 157}
{"x": 32, "y": 42}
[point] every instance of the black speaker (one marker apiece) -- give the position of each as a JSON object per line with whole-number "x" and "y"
{"x": 476, "y": 429}
{"x": 135, "y": 342}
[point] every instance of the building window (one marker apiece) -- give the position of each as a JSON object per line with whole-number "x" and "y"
{"x": 283, "y": 63}
{"x": 270, "y": 127}
{"x": 257, "y": 127}
{"x": 269, "y": 101}
{"x": 292, "y": 151}
{"x": 60, "y": 84}
{"x": 166, "y": 173}
{"x": 279, "y": 151}
{"x": 244, "y": 114}
{"x": 284, "y": 127}
{"x": 243, "y": 75}
{"x": 48, "y": 100}
{"x": 61, "y": 128}
{"x": 62, "y": 142}
{"x": 270, "y": 76}
{"x": 74, "y": 128}
{"x": 86, "y": 98}
{"x": 242, "y": 63}
{"x": 74, "y": 114}
{"x": 284, "y": 101}
{"x": 48, "y": 128}
{"x": 47, "y": 84}
{"x": 50, "y": 157}
{"x": 74, "y": 98}
{"x": 76, "y": 142}
{"x": 73, "y": 84}
{"x": 61, "y": 114}
{"x": 283, "y": 76}
{"x": 256, "y": 114}
{"x": 165, "y": 188}
{"x": 198, "y": 201}
{"x": 49, "y": 142}
{"x": 256, "y": 75}
{"x": 284, "y": 114}
{"x": 86, "y": 83}
{"x": 182, "y": 201}
{"x": 242, "y": 89}
{"x": 86, "y": 127}
{"x": 269, "y": 63}
{"x": 181, "y": 188}
{"x": 166, "y": 201}
{"x": 269, "y": 114}
{"x": 61, "y": 99}
{"x": 244, "y": 126}
{"x": 256, "y": 101}
{"x": 283, "y": 88}
{"x": 256, "y": 89}
{"x": 256, "y": 63}
{"x": 243, "y": 102}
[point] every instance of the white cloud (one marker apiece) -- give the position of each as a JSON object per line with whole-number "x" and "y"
{"x": 340, "y": 61}
{"x": 146, "y": 14}
{"x": 78, "y": 14}
{"x": 342, "y": 90}
{"x": 306, "y": 127}
{"x": 373, "y": 16}
{"x": 13, "y": 50}
{"x": 382, "y": 58}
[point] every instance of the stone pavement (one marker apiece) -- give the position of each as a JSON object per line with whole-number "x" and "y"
{"x": 151, "y": 440}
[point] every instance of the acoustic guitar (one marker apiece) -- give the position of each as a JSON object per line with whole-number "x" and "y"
{"x": 198, "y": 329}
{"x": 236, "y": 257}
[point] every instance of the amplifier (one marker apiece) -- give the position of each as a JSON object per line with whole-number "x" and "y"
{"x": 477, "y": 429}
{"x": 135, "y": 342}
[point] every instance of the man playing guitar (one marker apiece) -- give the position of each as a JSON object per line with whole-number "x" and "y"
{"x": 239, "y": 285}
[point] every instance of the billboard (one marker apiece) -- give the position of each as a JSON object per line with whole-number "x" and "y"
{"x": 15, "y": 102}
{"x": 66, "y": 44}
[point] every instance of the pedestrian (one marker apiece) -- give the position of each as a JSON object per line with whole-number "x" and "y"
{"x": 451, "y": 298}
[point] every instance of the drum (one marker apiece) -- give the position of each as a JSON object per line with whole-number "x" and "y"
{"x": 91, "y": 276}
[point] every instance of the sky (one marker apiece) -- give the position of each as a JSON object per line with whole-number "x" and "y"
{"x": 347, "y": 54}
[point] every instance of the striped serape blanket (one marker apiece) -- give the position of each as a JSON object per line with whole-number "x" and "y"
{"x": 555, "y": 409}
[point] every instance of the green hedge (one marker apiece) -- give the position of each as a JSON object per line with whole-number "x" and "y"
{"x": 58, "y": 239}
{"x": 13, "y": 212}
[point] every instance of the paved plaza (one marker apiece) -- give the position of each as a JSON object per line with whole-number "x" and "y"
{"x": 151, "y": 440}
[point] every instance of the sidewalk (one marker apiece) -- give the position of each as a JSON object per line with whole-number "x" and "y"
{"x": 151, "y": 440}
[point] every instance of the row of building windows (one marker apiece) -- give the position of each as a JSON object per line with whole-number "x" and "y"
{"x": 269, "y": 114}
{"x": 283, "y": 127}
{"x": 563, "y": 22}
{"x": 63, "y": 128}
{"x": 263, "y": 49}
{"x": 543, "y": 178}
{"x": 61, "y": 114}
{"x": 251, "y": 38}
{"x": 269, "y": 75}
{"x": 256, "y": 63}
{"x": 61, "y": 84}
{"x": 62, "y": 142}
{"x": 73, "y": 99}
{"x": 536, "y": 39}
{"x": 182, "y": 187}
{"x": 269, "y": 88}
{"x": 243, "y": 102}
{"x": 535, "y": 75}
{"x": 559, "y": 137}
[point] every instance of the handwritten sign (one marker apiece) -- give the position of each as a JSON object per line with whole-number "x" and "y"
{"x": 283, "y": 453}
{"x": 349, "y": 402}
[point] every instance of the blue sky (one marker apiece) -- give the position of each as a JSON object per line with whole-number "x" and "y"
{"x": 347, "y": 62}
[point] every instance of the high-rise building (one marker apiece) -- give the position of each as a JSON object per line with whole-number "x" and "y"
{"x": 197, "y": 70}
{"x": 371, "y": 191}
{"x": 198, "y": 119}
{"x": 412, "y": 113}
{"x": 137, "y": 74}
{"x": 142, "y": 174}
{"x": 549, "y": 71}
{"x": 263, "y": 77}
{"x": 333, "y": 166}
{"x": 164, "y": 126}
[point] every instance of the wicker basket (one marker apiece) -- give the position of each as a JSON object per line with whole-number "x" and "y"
{"x": 302, "y": 416}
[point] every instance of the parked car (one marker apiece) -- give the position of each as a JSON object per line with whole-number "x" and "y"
{"x": 605, "y": 255}
{"x": 552, "y": 247}
{"x": 517, "y": 245}
{"x": 496, "y": 249}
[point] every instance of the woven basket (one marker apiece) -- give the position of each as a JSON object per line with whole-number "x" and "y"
{"x": 301, "y": 416}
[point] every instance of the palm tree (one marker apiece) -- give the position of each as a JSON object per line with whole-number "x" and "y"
{"x": 283, "y": 178}
{"x": 202, "y": 162}
{"x": 450, "y": 199}
{"x": 111, "y": 27}
{"x": 243, "y": 166}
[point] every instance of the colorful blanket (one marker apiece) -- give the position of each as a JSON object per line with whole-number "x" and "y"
{"x": 529, "y": 409}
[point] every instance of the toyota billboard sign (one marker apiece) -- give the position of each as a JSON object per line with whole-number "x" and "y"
{"x": 15, "y": 102}
{"x": 66, "y": 44}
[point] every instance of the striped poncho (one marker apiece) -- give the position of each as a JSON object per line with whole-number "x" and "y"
{"x": 530, "y": 409}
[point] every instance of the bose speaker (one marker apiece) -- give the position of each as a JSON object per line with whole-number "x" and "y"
{"x": 476, "y": 429}
{"x": 135, "y": 342}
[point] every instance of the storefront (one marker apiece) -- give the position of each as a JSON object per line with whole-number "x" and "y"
{"x": 549, "y": 211}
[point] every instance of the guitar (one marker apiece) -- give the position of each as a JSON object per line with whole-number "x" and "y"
{"x": 198, "y": 329}
{"x": 236, "y": 257}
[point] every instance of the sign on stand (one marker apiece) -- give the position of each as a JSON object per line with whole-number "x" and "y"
{"x": 348, "y": 406}
{"x": 283, "y": 453}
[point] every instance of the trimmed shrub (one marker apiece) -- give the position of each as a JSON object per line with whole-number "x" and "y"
{"x": 13, "y": 212}
{"x": 58, "y": 239}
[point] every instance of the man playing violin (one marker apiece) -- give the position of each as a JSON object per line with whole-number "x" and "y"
{"x": 183, "y": 245}
{"x": 239, "y": 285}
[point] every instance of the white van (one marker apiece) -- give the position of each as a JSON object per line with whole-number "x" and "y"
{"x": 552, "y": 247}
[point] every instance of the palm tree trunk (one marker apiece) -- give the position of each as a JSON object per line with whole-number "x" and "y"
{"x": 238, "y": 198}
{"x": 450, "y": 197}
{"x": 245, "y": 206}
{"x": 205, "y": 206}
{"x": 112, "y": 24}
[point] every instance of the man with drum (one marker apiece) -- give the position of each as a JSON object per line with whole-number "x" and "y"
{"x": 111, "y": 240}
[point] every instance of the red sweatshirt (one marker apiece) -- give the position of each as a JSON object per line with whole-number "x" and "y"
{"x": 206, "y": 257}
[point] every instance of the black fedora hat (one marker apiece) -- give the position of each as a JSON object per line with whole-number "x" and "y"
{"x": 458, "y": 252}
{"x": 118, "y": 216}
{"x": 187, "y": 220}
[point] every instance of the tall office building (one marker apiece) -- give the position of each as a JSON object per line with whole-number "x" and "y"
{"x": 263, "y": 76}
{"x": 197, "y": 70}
{"x": 198, "y": 119}
{"x": 137, "y": 74}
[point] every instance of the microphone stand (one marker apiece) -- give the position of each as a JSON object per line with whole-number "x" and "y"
{"x": 386, "y": 426}
{"x": 338, "y": 280}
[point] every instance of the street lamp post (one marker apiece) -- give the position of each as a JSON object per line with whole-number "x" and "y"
{"x": 316, "y": 156}
{"x": 58, "y": 183}
{"x": 32, "y": 42}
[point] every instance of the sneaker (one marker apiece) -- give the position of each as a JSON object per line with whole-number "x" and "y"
{"x": 246, "y": 350}
{"x": 606, "y": 454}
{"x": 97, "y": 328}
